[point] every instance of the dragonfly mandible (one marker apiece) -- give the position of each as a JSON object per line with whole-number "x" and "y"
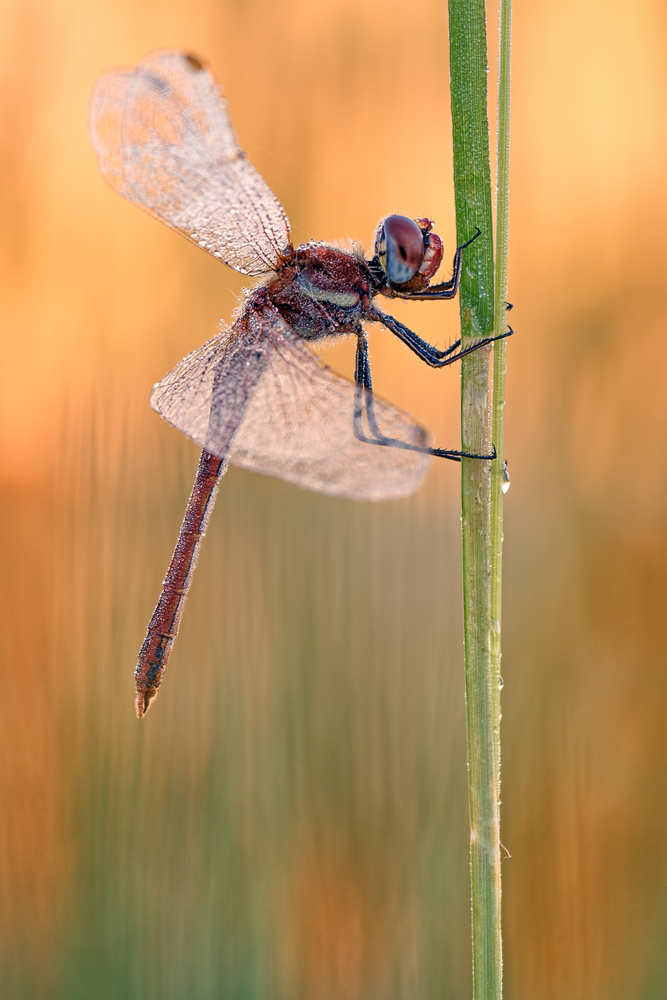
{"x": 257, "y": 395}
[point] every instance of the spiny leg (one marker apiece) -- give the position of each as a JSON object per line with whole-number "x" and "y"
{"x": 445, "y": 289}
{"x": 431, "y": 355}
{"x": 364, "y": 395}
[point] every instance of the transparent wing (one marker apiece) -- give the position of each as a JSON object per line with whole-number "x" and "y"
{"x": 164, "y": 139}
{"x": 207, "y": 393}
{"x": 258, "y": 395}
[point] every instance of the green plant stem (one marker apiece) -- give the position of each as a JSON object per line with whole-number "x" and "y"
{"x": 472, "y": 185}
{"x": 498, "y": 397}
{"x": 498, "y": 402}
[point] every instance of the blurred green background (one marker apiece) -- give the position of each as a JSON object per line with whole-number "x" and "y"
{"x": 290, "y": 820}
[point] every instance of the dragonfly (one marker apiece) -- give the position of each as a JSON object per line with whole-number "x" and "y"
{"x": 258, "y": 395}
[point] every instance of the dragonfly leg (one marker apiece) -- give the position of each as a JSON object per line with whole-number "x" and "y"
{"x": 363, "y": 399}
{"x": 164, "y": 624}
{"x": 448, "y": 289}
{"x": 431, "y": 355}
{"x": 443, "y": 290}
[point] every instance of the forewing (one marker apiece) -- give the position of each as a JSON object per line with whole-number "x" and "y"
{"x": 259, "y": 396}
{"x": 164, "y": 139}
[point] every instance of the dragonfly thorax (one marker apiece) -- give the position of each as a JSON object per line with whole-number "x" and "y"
{"x": 322, "y": 292}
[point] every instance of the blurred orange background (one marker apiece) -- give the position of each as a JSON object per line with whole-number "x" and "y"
{"x": 290, "y": 820}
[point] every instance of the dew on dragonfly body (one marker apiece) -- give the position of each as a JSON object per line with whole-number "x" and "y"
{"x": 259, "y": 383}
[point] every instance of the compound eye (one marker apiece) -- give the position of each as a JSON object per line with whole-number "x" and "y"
{"x": 400, "y": 247}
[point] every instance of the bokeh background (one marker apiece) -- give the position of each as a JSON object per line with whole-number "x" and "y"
{"x": 290, "y": 820}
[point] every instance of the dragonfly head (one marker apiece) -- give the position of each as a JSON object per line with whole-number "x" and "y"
{"x": 407, "y": 253}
